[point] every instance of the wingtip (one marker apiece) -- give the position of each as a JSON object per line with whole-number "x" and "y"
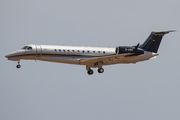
{"x": 173, "y": 31}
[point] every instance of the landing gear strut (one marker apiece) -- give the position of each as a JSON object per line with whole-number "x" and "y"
{"x": 89, "y": 71}
{"x": 18, "y": 66}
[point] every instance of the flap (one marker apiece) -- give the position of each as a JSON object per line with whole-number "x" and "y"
{"x": 104, "y": 59}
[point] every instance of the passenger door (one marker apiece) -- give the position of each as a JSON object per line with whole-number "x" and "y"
{"x": 38, "y": 51}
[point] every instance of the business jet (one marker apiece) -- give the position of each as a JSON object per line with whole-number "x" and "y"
{"x": 91, "y": 57}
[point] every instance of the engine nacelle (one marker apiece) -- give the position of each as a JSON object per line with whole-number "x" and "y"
{"x": 127, "y": 49}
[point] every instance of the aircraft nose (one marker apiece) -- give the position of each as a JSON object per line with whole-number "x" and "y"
{"x": 10, "y": 54}
{"x": 6, "y": 56}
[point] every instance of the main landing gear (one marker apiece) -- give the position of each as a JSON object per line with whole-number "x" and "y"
{"x": 90, "y": 71}
{"x": 100, "y": 70}
{"x": 18, "y": 65}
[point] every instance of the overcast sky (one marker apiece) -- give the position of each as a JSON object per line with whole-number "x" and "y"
{"x": 148, "y": 90}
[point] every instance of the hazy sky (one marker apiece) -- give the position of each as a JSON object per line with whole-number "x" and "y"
{"x": 147, "y": 90}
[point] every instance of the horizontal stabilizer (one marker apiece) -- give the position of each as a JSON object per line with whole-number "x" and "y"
{"x": 163, "y": 32}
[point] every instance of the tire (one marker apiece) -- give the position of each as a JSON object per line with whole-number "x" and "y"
{"x": 100, "y": 70}
{"x": 18, "y": 66}
{"x": 90, "y": 72}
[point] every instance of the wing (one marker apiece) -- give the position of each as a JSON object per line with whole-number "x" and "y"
{"x": 104, "y": 59}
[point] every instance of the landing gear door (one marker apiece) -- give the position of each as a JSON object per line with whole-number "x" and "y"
{"x": 38, "y": 51}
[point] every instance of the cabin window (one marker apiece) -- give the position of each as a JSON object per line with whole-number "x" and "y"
{"x": 64, "y": 51}
{"x": 77, "y": 50}
{"x": 87, "y": 51}
{"x": 93, "y": 51}
{"x": 99, "y": 52}
{"x": 72, "y": 50}
{"x": 59, "y": 50}
{"x": 83, "y": 51}
{"x": 68, "y": 50}
{"x": 55, "y": 50}
{"x": 104, "y": 52}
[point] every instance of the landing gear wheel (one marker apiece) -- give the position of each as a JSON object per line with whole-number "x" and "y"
{"x": 18, "y": 66}
{"x": 100, "y": 70}
{"x": 90, "y": 72}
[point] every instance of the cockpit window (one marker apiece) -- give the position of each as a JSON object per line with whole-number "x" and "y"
{"x": 29, "y": 48}
{"x": 25, "y": 47}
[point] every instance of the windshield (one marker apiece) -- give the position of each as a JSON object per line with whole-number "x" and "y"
{"x": 29, "y": 48}
{"x": 25, "y": 47}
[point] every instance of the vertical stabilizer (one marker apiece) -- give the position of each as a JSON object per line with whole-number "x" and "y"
{"x": 153, "y": 41}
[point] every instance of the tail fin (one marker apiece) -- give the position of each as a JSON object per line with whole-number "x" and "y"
{"x": 153, "y": 41}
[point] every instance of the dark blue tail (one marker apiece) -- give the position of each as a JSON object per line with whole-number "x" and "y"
{"x": 153, "y": 41}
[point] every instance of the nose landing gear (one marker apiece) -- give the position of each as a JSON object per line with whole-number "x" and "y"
{"x": 18, "y": 66}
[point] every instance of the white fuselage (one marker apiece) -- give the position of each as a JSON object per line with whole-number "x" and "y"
{"x": 92, "y": 57}
{"x": 73, "y": 54}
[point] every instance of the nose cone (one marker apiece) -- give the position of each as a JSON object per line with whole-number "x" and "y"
{"x": 8, "y": 55}
{"x": 11, "y": 54}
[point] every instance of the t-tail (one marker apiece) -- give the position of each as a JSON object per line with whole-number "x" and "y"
{"x": 153, "y": 41}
